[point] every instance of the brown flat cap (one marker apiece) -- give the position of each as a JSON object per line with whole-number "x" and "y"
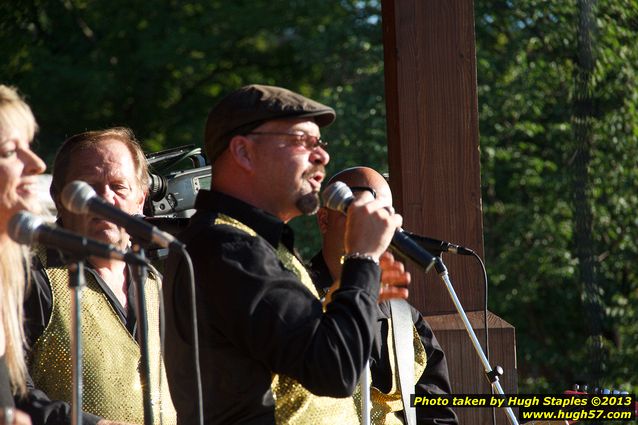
{"x": 247, "y": 108}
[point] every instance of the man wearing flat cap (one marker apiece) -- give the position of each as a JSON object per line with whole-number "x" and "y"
{"x": 269, "y": 352}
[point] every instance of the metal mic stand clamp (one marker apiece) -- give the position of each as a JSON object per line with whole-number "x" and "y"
{"x": 491, "y": 374}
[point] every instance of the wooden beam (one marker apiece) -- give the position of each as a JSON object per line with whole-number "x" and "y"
{"x": 433, "y": 152}
{"x": 435, "y": 176}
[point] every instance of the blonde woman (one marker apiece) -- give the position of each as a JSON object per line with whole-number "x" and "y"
{"x": 19, "y": 167}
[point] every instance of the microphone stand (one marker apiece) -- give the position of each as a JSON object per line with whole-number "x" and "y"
{"x": 492, "y": 375}
{"x": 77, "y": 283}
{"x": 139, "y": 277}
{"x": 365, "y": 383}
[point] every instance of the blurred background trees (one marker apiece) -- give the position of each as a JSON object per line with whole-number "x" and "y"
{"x": 558, "y": 132}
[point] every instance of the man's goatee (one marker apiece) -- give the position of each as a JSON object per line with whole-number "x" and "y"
{"x": 308, "y": 204}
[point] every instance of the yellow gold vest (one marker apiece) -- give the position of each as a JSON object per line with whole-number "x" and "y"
{"x": 111, "y": 357}
{"x": 384, "y": 405}
{"x": 293, "y": 403}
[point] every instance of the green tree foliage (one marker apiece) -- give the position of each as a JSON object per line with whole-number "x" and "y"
{"x": 527, "y": 64}
{"x": 158, "y": 66}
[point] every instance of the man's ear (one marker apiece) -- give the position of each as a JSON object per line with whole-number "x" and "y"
{"x": 241, "y": 150}
{"x": 322, "y": 220}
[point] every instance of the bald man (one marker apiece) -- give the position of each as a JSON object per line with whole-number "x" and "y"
{"x": 429, "y": 360}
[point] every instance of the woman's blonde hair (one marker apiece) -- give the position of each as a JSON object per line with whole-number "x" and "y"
{"x": 14, "y": 112}
{"x": 14, "y": 261}
{"x": 14, "y": 273}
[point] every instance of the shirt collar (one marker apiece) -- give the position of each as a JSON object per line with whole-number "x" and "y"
{"x": 266, "y": 225}
{"x": 55, "y": 258}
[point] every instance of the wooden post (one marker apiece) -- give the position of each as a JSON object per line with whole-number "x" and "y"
{"x": 434, "y": 162}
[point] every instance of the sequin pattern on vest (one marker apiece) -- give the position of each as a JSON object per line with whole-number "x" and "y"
{"x": 111, "y": 357}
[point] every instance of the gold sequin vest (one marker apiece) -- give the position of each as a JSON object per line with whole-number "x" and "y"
{"x": 111, "y": 357}
{"x": 293, "y": 403}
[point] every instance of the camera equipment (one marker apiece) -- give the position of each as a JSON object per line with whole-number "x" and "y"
{"x": 175, "y": 177}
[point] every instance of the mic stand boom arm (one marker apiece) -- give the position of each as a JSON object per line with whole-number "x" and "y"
{"x": 492, "y": 376}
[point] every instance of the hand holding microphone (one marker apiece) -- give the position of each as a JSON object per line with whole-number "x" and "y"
{"x": 339, "y": 197}
{"x": 370, "y": 226}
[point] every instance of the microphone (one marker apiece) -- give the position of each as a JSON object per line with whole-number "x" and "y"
{"x": 27, "y": 229}
{"x": 80, "y": 198}
{"x": 338, "y": 197}
{"x": 436, "y": 245}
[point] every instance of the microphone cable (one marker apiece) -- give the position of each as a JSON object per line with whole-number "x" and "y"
{"x": 198, "y": 374}
{"x": 173, "y": 161}
{"x": 487, "y": 337}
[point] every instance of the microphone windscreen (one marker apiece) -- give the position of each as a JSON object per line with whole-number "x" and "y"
{"x": 76, "y": 196}
{"x": 23, "y": 226}
{"x": 337, "y": 196}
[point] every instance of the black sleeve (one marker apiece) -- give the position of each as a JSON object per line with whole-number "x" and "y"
{"x": 38, "y": 303}
{"x": 37, "y": 311}
{"x": 265, "y": 310}
{"x": 435, "y": 379}
{"x": 44, "y": 411}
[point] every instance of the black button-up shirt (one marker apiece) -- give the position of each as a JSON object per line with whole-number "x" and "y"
{"x": 256, "y": 318}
